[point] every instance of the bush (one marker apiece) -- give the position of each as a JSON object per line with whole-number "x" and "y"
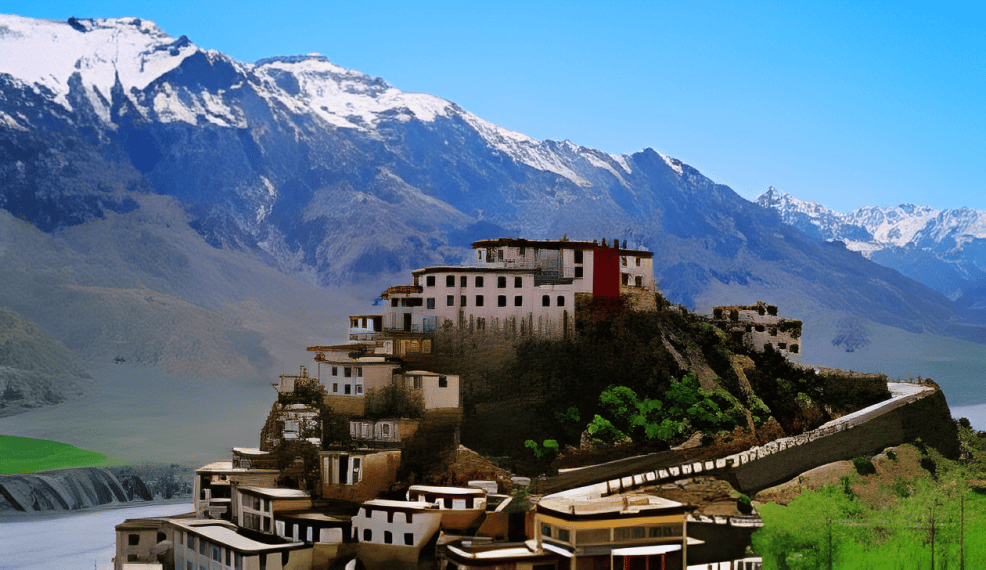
{"x": 864, "y": 466}
{"x": 393, "y": 402}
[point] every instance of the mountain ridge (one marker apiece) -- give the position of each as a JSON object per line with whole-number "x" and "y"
{"x": 329, "y": 174}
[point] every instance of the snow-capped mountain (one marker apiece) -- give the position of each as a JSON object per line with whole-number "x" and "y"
{"x": 331, "y": 173}
{"x": 945, "y": 249}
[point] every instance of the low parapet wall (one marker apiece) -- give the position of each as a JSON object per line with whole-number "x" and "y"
{"x": 914, "y": 412}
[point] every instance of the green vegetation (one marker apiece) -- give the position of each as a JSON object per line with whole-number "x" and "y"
{"x": 393, "y": 402}
{"x": 935, "y": 520}
{"x": 27, "y": 455}
{"x": 645, "y": 380}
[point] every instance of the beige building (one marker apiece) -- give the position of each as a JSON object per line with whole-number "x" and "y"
{"x": 618, "y": 531}
{"x": 219, "y": 545}
{"x": 213, "y": 491}
{"x": 147, "y": 541}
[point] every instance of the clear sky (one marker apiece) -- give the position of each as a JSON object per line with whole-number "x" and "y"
{"x": 848, "y": 104}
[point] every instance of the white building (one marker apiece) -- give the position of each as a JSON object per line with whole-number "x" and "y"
{"x": 518, "y": 285}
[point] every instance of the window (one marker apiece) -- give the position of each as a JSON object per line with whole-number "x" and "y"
{"x": 416, "y": 382}
{"x": 263, "y": 562}
{"x": 499, "y": 254}
{"x": 638, "y": 281}
{"x": 191, "y": 542}
{"x": 519, "y": 301}
{"x": 131, "y": 558}
{"x": 367, "y": 535}
{"x": 463, "y": 280}
{"x": 501, "y": 301}
{"x": 629, "y": 533}
{"x": 578, "y": 272}
{"x": 561, "y": 300}
{"x": 359, "y": 371}
{"x": 393, "y": 302}
{"x": 545, "y": 300}
{"x": 523, "y": 250}
{"x": 409, "y": 538}
{"x": 217, "y": 554}
{"x": 430, "y": 281}
{"x": 623, "y": 260}
{"x": 518, "y": 282}
{"x": 388, "y": 537}
{"x": 443, "y": 381}
{"x": 637, "y": 259}
{"x": 347, "y": 372}
{"x": 546, "y": 530}
{"x": 335, "y": 370}
{"x": 480, "y": 323}
{"x": 347, "y": 389}
{"x": 335, "y": 387}
{"x": 133, "y": 539}
{"x": 564, "y": 535}
{"x": 430, "y": 303}
{"x": 161, "y": 537}
{"x": 462, "y": 300}
{"x": 202, "y": 546}
{"x": 238, "y": 561}
{"x": 501, "y": 282}
{"x": 450, "y": 280}
{"x": 578, "y": 256}
{"x": 479, "y": 300}
{"x": 229, "y": 558}
{"x": 450, "y": 300}
{"x": 479, "y": 281}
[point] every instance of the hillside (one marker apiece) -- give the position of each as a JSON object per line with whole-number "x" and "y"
{"x": 35, "y": 369}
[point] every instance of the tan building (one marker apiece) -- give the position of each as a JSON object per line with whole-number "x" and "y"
{"x": 146, "y": 541}
{"x": 213, "y": 491}
{"x": 257, "y": 508}
{"x": 618, "y": 531}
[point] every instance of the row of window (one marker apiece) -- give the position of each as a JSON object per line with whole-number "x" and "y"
{"x": 602, "y": 535}
{"x": 501, "y": 301}
{"x": 349, "y": 371}
{"x": 388, "y": 537}
{"x": 348, "y": 389}
{"x": 479, "y": 281}
{"x": 206, "y": 548}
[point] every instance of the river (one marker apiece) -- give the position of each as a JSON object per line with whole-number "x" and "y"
{"x": 70, "y": 541}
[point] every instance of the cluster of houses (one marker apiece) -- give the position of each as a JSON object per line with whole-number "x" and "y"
{"x": 245, "y": 517}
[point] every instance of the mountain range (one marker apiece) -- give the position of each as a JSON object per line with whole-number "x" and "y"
{"x": 149, "y": 184}
{"x": 944, "y": 249}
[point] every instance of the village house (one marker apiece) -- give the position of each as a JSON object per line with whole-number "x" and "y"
{"x": 758, "y": 326}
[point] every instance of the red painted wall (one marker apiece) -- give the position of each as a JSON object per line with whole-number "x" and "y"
{"x": 605, "y": 272}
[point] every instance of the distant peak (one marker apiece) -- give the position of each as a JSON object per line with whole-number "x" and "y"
{"x": 292, "y": 59}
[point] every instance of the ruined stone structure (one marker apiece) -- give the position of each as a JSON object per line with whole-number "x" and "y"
{"x": 758, "y": 326}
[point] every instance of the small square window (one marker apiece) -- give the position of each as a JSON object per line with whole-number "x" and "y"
{"x": 479, "y": 281}
{"x": 430, "y": 281}
{"x": 518, "y": 282}
{"x": 450, "y": 280}
{"x": 393, "y": 302}
{"x": 561, "y": 300}
{"x": 519, "y": 301}
{"x": 388, "y": 537}
{"x": 501, "y": 301}
{"x": 133, "y": 539}
{"x": 430, "y": 303}
{"x": 443, "y": 381}
{"x": 409, "y": 538}
{"x": 479, "y": 300}
{"x": 501, "y": 282}
{"x": 578, "y": 272}
{"x": 578, "y": 256}
{"x": 450, "y": 300}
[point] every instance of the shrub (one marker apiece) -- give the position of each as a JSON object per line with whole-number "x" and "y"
{"x": 864, "y": 466}
{"x": 393, "y": 402}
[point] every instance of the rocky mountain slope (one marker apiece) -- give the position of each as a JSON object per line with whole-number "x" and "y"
{"x": 331, "y": 175}
{"x": 35, "y": 369}
{"x": 944, "y": 249}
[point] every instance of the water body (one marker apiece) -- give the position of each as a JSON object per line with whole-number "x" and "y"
{"x": 70, "y": 541}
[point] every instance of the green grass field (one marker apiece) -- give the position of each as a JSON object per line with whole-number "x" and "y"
{"x": 27, "y": 455}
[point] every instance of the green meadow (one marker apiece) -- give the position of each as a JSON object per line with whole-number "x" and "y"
{"x": 27, "y": 455}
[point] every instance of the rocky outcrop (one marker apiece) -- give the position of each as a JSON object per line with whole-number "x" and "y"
{"x": 68, "y": 489}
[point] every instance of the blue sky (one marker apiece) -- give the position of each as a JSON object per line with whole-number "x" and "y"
{"x": 872, "y": 103}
